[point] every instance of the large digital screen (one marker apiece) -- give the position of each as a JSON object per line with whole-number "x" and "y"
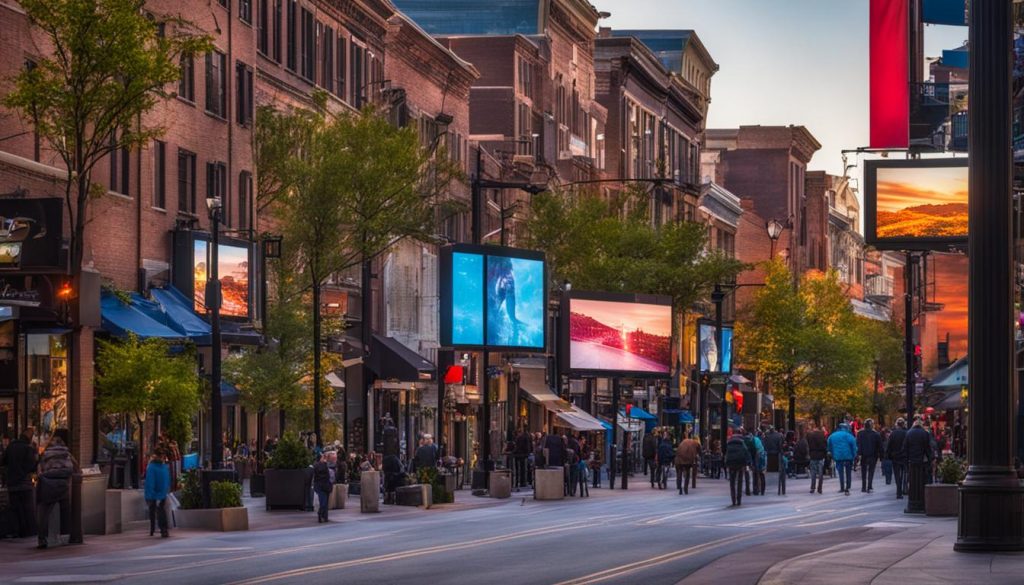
{"x": 233, "y": 271}
{"x": 916, "y": 204}
{"x": 707, "y": 348}
{"x": 619, "y": 333}
{"x": 493, "y": 297}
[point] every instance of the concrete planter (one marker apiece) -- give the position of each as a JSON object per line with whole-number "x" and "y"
{"x": 124, "y": 508}
{"x": 941, "y": 499}
{"x": 338, "y": 497}
{"x": 419, "y": 494}
{"x": 289, "y": 488}
{"x": 213, "y": 519}
{"x": 549, "y": 484}
{"x": 369, "y": 496}
{"x": 499, "y": 484}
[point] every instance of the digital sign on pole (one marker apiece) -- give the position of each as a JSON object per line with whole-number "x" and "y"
{"x": 916, "y": 204}
{"x": 233, "y": 271}
{"x": 493, "y": 298}
{"x": 707, "y": 348}
{"x": 618, "y": 333}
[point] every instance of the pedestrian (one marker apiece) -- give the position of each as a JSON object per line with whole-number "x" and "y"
{"x": 773, "y": 448}
{"x": 649, "y": 450}
{"x": 737, "y": 458}
{"x": 595, "y": 467}
{"x": 759, "y": 459}
{"x": 20, "y": 457}
{"x": 555, "y": 450}
{"x": 843, "y": 447}
{"x": 886, "y": 461}
{"x": 666, "y": 454}
{"x": 817, "y": 447}
{"x": 156, "y": 487}
{"x": 56, "y": 466}
{"x": 322, "y": 486}
{"x": 894, "y": 450}
{"x": 869, "y": 447}
{"x": 685, "y": 461}
{"x": 581, "y": 477}
{"x": 426, "y": 454}
{"x": 918, "y": 454}
{"x": 785, "y": 456}
{"x": 520, "y": 453}
{"x": 573, "y": 458}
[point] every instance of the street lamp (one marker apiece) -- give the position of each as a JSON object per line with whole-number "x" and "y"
{"x": 774, "y": 228}
{"x": 213, "y": 305}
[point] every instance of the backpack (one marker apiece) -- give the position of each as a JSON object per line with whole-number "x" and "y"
{"x": 56, "y": 463}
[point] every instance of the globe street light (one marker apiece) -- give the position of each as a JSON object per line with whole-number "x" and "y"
{"x": 774, "y": 228}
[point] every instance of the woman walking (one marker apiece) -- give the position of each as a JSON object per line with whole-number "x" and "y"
{"x": 157, "y": 486}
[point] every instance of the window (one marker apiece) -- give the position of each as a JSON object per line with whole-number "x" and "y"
{"x": 341, "y": 68}
{"x": 308, "y": 45}
{"x": 262, "y": 28}
{"x": 327, "y": 62}
{"x": 244, "y": 197}
{"x": 217, "y": 185}
{"x": 243, "y": 93}
{"x": 216, "y": 82}
{"x": 159, "y": 174}
{"x": 245, "y": 11}
{"x": 292, "y": 8}
{"x": 187, "y": 83}
{"x": 277, "y": 30}
{"x": 119, "y": 168}
{"x": 223, "y": 3}
{"x": 186, "y": 181}
{"x": 358, "y": 71}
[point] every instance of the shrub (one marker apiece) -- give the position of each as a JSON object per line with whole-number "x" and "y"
{"x": 191, "y": 495}
{"x": 225, "y": 494}
{"x": 951, "y": 470}
{"x": 290, "y": 453}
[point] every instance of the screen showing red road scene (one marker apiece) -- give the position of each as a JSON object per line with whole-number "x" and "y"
{"x": 618, "y": 336}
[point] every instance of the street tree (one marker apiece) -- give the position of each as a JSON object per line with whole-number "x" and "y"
{"x": 106, "y": 64}
{"x": 344, "y": 188}
{"x": 142, "y": 377}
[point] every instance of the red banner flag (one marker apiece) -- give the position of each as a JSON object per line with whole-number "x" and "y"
{"x": 890, "y": 74}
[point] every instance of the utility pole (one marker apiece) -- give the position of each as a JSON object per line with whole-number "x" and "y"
{"x": 717, "y": 297}
{"x": 213, "y": 304}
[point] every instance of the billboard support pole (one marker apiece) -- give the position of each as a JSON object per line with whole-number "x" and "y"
{"x": 908, "y": 332}
{"x": 991, "y": 499}
{"x": 717, "y": 297}
{"x": 213, "y": 293}
{"x": 615, "y": 433}
{"x": 485, "y": 396}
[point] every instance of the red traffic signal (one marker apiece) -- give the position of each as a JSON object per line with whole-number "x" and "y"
{"x": 629, "y": 409}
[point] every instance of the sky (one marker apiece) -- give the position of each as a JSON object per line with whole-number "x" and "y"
{"x": 801, "y": 62}
{"x": 899, "y": 188}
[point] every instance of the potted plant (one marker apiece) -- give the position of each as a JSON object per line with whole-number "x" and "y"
{"x": 942, "y": 499}
{"x": 226, "y": 512}
{"x": 289, "y": 477}
{"x": 439, "y": 490}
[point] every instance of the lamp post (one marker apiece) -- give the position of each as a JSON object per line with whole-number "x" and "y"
{"x": 213, "y": 305}
{"x": 774, "y": 228}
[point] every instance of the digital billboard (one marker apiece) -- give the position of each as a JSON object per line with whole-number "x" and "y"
{"x": 493, "y": 298}
{"x": 707, "y": 348}
{"x": 233, "y": 271}
{"x": 625, "y": 334}
{"x": 916, "y": 204}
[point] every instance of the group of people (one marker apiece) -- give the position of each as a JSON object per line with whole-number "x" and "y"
{"x": 661, "y": 456}
{"x": 569, "y": 451}
{"x": 43, "y": 473}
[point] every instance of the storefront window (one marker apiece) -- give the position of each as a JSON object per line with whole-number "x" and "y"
{"x": 47, "y": 382}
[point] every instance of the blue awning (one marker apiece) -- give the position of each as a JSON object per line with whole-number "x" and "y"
{"x": 139, "y": 316}
{"x": 180, "y": 315}
{"x": 637, "y": 412}
{"x": 228, "y": 392}
{"x": 686, "y": 417}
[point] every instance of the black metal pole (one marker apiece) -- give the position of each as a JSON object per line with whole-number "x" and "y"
{"x": 213, "y": 303}
{"x": 485, "y": 423}
{"x": 908, "y": 332}
{"x": 366, "y": 339}
{"x": 717, "y": 297}
{"x": 317, "y": 382}
{"x": 615, "y": 433}
{"x": 991, "y": 498}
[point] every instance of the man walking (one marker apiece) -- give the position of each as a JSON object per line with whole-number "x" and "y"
{"x": 20, "y": 458}
{"x": 816, "y": 449}
{"x": 737, "y": 458}
{"x": 843, "y": 448}
{"x": 665, "y": 456}
{"x": 773, "y": 447}
{"x": 650, "y": 453}
{"x": 686, "y": 460}
{"x": 520, "y": 453}
{"x": 894, "y": 450}
{"x": 917, "y": 451}
{"x": 869, "y": 445}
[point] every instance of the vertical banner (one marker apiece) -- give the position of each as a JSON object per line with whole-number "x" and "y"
{"x": 890, "y": 74}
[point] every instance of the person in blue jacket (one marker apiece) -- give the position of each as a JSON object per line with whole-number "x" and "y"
{"x": 157, "y": 486}
{"x": 842, "y": 445}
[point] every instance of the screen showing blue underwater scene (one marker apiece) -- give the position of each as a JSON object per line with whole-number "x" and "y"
{"x": 467, "y": 299}
{"x": 515, "y": 302}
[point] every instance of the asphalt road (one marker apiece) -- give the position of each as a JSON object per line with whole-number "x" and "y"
{"x": 638, "y": 536}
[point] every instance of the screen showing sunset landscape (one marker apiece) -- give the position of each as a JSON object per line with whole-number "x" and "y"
{"x": 233, "y": 262}
{"x": 923, "y": 202}
{"x": 620, "y": 336}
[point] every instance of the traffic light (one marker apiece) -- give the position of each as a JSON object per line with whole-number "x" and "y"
{"x": 918, "y": 361}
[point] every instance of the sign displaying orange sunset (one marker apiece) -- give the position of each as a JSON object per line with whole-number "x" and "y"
{"x": 923, "y": 202}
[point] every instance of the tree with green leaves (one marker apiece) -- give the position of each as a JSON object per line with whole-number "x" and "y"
{"x": 141, "y": 377}
{"x": 344, "y": 187}
{"x": 807, "y": 342}
{"x": 109, "y": 64}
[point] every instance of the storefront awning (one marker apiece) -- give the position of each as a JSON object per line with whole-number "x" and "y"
{"x": 950, "y": 401}
{"x": 391, "y": 360}
{"x": 637, "y": 413}
{"x": 532, "y": 383}
{"x": 180, "y": 315}
{"x": 579, "y": 420}
{"x": 631, "y": 425}
{"x": 335, "y": 380}
{"x": 228, "y": 392}
{"x": 138, "y": 316}
{"x": 239, "y": 333}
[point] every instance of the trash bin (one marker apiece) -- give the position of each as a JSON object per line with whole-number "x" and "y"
{"x": 94, "y": 501}
{"x": 369, "y": 491}
{"x": 500, "y": 484}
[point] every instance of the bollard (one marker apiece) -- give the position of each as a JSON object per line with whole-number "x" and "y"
{"x": 76, "y": 509}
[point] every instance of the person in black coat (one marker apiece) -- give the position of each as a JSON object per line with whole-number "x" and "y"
{"x": 917, "y": 452}
{"x": 520, "y": 454}
{"x": 773, "y": 447}
{"x": 322, "y": 487}
{"x": 894, "y": 451}
{"x": 556, "y": 450}
{"x": 649, "y": 450}
{"x": 869, "y": 447}
{"x": 737, "y": 458}
{"x": 21, "y": 458}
